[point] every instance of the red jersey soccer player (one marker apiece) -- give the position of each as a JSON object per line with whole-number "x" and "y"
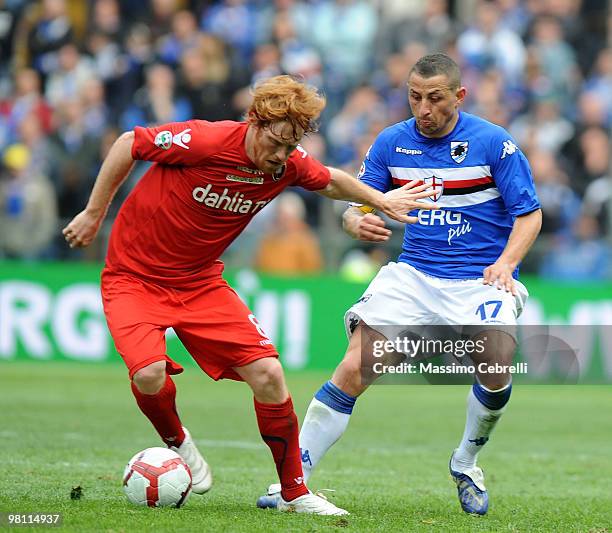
{"x": 163, "y": 270}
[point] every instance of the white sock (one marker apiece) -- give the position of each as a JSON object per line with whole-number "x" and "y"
{"x": 479, "y": 424}
{"x": 321, "y": 428}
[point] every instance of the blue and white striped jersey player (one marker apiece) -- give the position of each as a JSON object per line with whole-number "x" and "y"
{"x": 458, "y": 264}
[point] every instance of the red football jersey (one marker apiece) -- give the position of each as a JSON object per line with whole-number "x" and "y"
{"x": 199, "y": 194}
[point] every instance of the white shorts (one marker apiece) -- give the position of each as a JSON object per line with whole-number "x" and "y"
{"x": 401, "y": 295}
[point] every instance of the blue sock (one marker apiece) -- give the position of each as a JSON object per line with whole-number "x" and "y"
{"x": 335, "y": 398}
{"x": 493, "y": 400}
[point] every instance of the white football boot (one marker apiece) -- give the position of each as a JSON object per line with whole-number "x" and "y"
{"x": 201, "y": 476}
{"x": 311, "y": 504}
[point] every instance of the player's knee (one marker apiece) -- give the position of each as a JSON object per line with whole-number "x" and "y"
{"x": 494, "y": 382}
{"x": 151, "y": 378}
{"x": 272, "y": 376}
{"x": 270, "y": 382}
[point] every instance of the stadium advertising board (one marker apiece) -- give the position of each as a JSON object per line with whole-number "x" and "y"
{"x": 54, "y": 312}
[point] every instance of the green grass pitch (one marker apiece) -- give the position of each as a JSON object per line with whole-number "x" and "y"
{"x": 548, "y": 466}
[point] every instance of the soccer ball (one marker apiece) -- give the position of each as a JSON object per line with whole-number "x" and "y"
{"x": 157, "y": 477}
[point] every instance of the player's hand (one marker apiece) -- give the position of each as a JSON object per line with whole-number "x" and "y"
{"x": 500, "y": 275}
{"x": 406, "y": 198}
{"x": 369, "y": 227}
{"x": 82, "y": 229}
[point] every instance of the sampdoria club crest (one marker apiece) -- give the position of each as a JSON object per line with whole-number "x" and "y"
{"x": 459, "y": 150}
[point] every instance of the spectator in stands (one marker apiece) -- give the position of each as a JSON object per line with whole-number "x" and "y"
{"x": 486, "y": 44}
{"x": 363, "y": 108}
{"x": 96, "y": 112}
{"x": 587, "y": 156}
{"x": 560, "y": 204}
{"x": 236, "y": 22}
{"x": 74, "y": 152}
{"x": 52, "y": 30}
{"x": 557, "y": 60}
{"x": 583, "y": 256}
{"x": 545, "y": 128}
{"x": 599, "y": 83}
{"x": 36, "y": 140}
{"x": 10, "y": 15}
{"x": 390, "y": 84}
{"x": 297, "y": 58}
{"x": 157, "y": 102}
{"x": 433, "y": 28}
{"x": 207, "y": 82}
{"x": 106, "y": 20}
{"x": 27, "y": 99}
{"x": 266, "y": 62}
{"x": 487, "y": 97}
{"x": 28, "y": 209}
{"x": 185, "y": 36}
{"x": 67, "y": 81}
{"x": 289, "y": 247}
{"x": 343, "y": 32}
{"x": 160, "y": 17}
{"x": 598, "y": 194}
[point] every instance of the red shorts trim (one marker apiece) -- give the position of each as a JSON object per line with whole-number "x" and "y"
{"x": 213, "y": 323}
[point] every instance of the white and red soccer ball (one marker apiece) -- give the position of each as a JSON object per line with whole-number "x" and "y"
{"x": 157, "y": 477}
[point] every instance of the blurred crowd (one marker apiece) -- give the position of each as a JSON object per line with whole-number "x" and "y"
{"x": 74, "y": 74}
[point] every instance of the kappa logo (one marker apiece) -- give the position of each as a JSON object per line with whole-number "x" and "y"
{"x": 363, "y": 299}
{"x": 408, "y": 151}
{"x": 165, "y": 139}
{"x": 458, "y": 150}
{"x": 306, "y": 456}
{"x": 509, "y": 148}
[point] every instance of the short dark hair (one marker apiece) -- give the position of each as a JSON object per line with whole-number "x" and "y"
{"x": 436, "y": 64}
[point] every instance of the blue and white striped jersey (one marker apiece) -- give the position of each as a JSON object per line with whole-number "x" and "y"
{"x": 484, "y": 183}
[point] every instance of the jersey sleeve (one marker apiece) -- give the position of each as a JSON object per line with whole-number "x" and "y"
{"x": 177, "y": 143}
{"x": 512, "y": 175}
{"x": 374, "y": 170}
{"x": 311, "y": 174}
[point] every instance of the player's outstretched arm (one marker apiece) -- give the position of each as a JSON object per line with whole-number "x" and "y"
{"x": 395, "y": 204}
{"x": 83, "y": 228}
{"x": 524, "y": 233}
